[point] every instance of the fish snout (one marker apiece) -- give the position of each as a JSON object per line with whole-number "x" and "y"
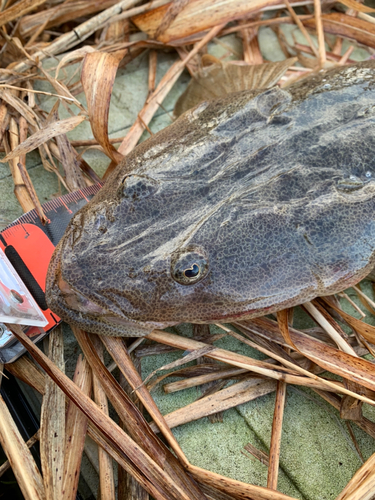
{"x": 60, "y": 293}
{"x": 76, "y": 301}
{"x": 75, "y": 308}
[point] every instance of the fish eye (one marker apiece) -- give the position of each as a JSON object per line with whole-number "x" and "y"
{"x": 188, "y": 266}
{"x": 192, "y": 272}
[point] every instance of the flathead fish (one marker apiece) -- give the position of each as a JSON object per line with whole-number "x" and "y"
{"x": 245, "y": 205}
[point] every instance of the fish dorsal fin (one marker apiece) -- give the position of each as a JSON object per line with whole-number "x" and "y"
{"x": 217, "y": 79}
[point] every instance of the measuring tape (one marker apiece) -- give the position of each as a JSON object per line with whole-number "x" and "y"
{"x": 26, "y": 247}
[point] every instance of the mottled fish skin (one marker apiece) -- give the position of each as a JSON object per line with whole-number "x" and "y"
{"x": 260, "y": 200}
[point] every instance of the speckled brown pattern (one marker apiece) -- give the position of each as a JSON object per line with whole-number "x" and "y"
{"x": 266, "y": 198}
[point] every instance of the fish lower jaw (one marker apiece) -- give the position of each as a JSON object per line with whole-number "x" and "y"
{"x": 77, "y": 310}
{"x": 105, "y": 324}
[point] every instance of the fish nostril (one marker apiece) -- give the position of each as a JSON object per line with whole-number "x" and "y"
{"x": 76, "y": 300}
{"x": 100, "y": 223}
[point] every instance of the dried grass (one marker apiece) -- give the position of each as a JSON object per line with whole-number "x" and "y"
{"x": 36, "y": 30}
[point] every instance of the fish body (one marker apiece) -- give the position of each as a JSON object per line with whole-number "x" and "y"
{"x": 245, "y": 205}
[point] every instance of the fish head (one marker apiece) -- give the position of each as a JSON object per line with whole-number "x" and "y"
{"x": 242, "y": 207}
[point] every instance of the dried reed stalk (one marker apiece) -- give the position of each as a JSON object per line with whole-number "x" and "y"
{"x": 367, "y": 301}
{"x": 4, "y": 120}
{"x": 97, "y": 77}
{"x": 235, "y": 488}
{"x": 127, "y": 14}
{"x": 361, "y": 486}
{"x": 77, "y": 35}
{"x": 253, "y": 365}
{"x": 76, "y": 427}
{"x": 234, "y": 395}
{"x": 127, "y": 486}
{"x": 23, "y": 465}
{"x": 264, "y": 22}
{"x": 192, "y": 356}
{"x": 169, "y": 16}
{"x": 324, "y": 323}
{"x": 152, "y": 66}
{"x": 20, "y": 189}
{"x": 93, "y": 142}
{"x": 331, "y": 56}
{"x": 26, "y": 370}
{"x": 68, "y": 158}
{"x": 19, "y": 9}
{"x": 344, "y": 59}
{"x": 335, "y": 401}
{"x": 52, "y": 423}
{"x": 29, "y": 443}
{"x": 353, "y": 368}
{"x": 320, "y": 32}
{"x": 205, "y": 14}
{"x": 258, "y": 454}
{"x": 125, "y": 463}
{"x": 304, "y": 31}
{"x": 43, "y": 135}
{"x": 277, "y": 425}
{"x": 203, "y": 367}
{"x": 32, "y": 193}
{"x": 64, "y": 12}
{"x": 250, "y": 45}
{"x": 357, "y": 6}
{"x": 203, "y": 379}
{"x": 119, "y": 354}
{"x": 352, "y": 303}
{"x": 92, "y": 176}
{"x": 363, "y": 299}
{"x": 225, "y": 484}
{"x": 106, "y": 479}
{"x": 366, "y": 330}
{"x": 347, "y": 27}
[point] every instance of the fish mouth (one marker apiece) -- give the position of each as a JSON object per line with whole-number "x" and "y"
{"x": 76, "y": 309}
{"x": 76, "y": 301}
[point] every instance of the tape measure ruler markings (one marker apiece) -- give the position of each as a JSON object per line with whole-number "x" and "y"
{"x": 26, "y": 247}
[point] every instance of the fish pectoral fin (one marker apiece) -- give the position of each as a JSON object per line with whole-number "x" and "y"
{"x": 218, "y": 79}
